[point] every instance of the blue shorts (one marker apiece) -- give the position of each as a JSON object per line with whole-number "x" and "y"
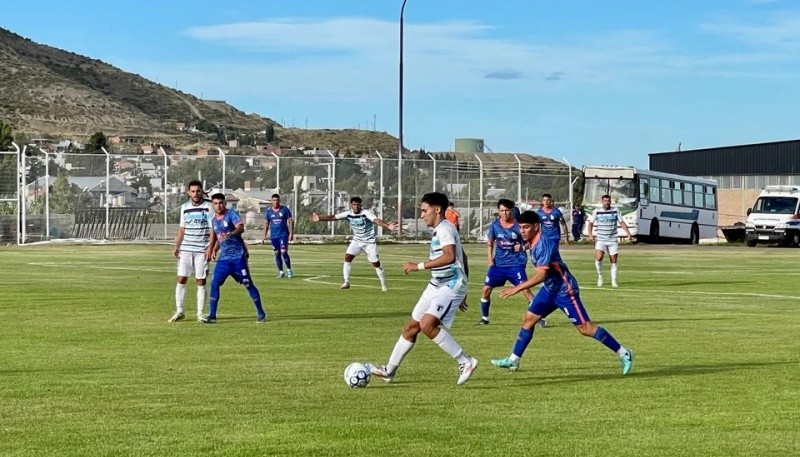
{"x": 567, "y": 298}
{"x": 497, "y": 276}
{"x": 238, "y": 269}
{"x": 280, "y": 244}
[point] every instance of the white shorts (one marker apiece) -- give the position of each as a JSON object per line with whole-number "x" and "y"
{"x": 439, "y": 301}
{"x": 192, "y": 262}
{"x": 371, "y": 249}
{"x": 611, "y": 247}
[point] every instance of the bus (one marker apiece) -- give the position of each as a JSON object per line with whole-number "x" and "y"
{"x": 655, "y": 205}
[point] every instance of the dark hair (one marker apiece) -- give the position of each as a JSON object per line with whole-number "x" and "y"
{"x": 547, "y": 195}
{"x": 505, "y": 202}
{"x": 218, "y": 196}
{"x": 451, "y": 204}
{"x": 355, "y": 200}
{"x": 195, "y": 183}
{"x": 528, "y": 217}
{"x": 436, "y": 199}
{"x": 606, "y": 196}
{"x": 276, "y": 196}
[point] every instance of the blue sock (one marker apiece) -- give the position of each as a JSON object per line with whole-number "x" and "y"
{"x": 523, "y": 340}
{"x": 213, "y": 300}
{"x": 279, "y": 261}
{"x": 287, "y": 260}
{"x": 604, "y": 337}
{"x": 485, "y": 308}
{"x": 251, "y": 289}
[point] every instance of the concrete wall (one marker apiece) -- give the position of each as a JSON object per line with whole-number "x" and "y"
{"x": 733, "y": 204}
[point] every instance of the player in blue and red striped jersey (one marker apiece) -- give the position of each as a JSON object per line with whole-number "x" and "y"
{"x": 231, "y": 258}
{"x": 559, "y": 291}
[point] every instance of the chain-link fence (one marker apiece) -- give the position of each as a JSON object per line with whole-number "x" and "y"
{"x": 125, "y": 197}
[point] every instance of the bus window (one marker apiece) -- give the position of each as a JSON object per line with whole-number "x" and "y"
{"x": 698, "y": 196}
{"x": 644, "y": 190}
{"x": 688, "y": 195}
{"x": 711, "y": 201}
{"x": 677, "y": 197}
{"x": 666, "y": 195}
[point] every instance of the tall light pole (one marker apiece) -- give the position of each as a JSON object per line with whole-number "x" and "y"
{"x": 400, "y": 130}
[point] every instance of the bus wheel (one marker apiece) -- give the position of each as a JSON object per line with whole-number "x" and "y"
{"x": 752, "y": 243}
{"x": 795, "y": 239}
{"x": 654, "y": 232}
{"x": 694, "y": 234}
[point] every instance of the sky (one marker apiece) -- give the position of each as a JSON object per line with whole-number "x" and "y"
{"x": 590, "y": 82}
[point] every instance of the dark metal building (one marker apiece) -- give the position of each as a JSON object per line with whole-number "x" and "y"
{"x": 776, "y": 158}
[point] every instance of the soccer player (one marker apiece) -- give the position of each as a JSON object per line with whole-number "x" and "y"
{"x": 505, "y": 256}
{"x": 559, "y": 290}
{"x": 604, "y": 222}
{"x": 231, "y": 259}
{"x": 191, "y": 242}
{"x": 447, "y": 291}
{"x": 552, "y": 220}
{"x": 279, "y": 223}
{"x": 362, "y": 224}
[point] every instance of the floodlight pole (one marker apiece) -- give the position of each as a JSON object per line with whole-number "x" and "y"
{"x": 108, "y": 182}
{"x": 18, "y": 177}
{"x": 380, "y": 207}
{"x": 222, "y": 154}
{"x": 480, "y": 195}
{"x": 519, "y": 179}
{"x": 278, "y": 174}
{"x": 434, "y": 170}
{"x": 571, "y": 203}
{"x": 332, "y": 185}
{"x": 46, "y": 192}
{"x": 23, "y": 191}
{"x": 400, "y": 130}
{"x": 166, "y": 189}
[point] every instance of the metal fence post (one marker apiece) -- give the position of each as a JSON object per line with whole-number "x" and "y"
{"x": 480, "y": 193}
{"x": 108, "y": 178}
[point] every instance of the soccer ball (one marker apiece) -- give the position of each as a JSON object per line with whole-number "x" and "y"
{"x": 356, "y": 375}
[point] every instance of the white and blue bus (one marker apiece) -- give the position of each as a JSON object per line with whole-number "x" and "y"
{"x": 655, "y": 205}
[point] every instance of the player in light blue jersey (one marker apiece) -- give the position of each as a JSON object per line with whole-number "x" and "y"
{"x": 362, "y": 224}
{"x": 505, "y": 256}
{"x": 435, "y": 311}
{"x": 279, "y": 223}
{"x": 231, "y": 258}
{"x": 191, "y": 243}
{"x": 603, "y": 228}
{"x": 559, "y": 291}
{"x": 552, "y": 220}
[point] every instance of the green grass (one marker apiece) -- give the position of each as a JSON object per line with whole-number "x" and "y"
{"x": 89, "y": 365}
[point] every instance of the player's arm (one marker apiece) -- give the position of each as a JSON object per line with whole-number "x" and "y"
{"x": 463, "y": 306}
{"x": 178, "y": 240}
{"x": 212, "y": 245}
{"x": 266, "y": 230}
{"x": 589, "y": 230}
{"x": 490, "y": 252}
{"x": 448, "y": 257}
{"x": 324, "y": 218}
{"x": 290, "y": 225}
{"x": 537, "y": 278}
{"x": 625, "y": 227}
{"x": 563, "y": 223}
{"x": 392, "y": 227}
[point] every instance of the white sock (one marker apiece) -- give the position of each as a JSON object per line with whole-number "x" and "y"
{"x": 598, "y": 265}
{"x": 448, "y": 344}
{"x": 381, "y": 275}
{"x": 346, "y": 271}
{"x": 513, "y": 357}
{"x": 613, "y": 272}
{"x": 401, "y": 348}
{"x": 622, "y": 351}
{"x": 201, "y": 299}
{"x": 180, "y": 295}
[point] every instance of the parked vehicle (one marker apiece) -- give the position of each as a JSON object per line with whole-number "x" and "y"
{"x": 775, "y": 217}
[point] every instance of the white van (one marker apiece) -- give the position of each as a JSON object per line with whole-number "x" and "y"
{"x": 775, "y": 217}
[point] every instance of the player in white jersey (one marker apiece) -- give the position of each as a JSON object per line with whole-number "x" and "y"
{"x": 603, "y": 228}
{"x": 362, "y": 223}
{"x": 447, "y": 291}
{"x": 191, "y": 244}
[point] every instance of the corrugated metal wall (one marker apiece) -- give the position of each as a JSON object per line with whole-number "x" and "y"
{"x": 776, "y": 158}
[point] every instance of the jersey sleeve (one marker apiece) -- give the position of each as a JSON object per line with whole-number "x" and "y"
{"x": 287, "y": 213}
{"x": 234, "y": 218}
{"x": 593, "y": 217}
{"x": 445, "y": 235}
{"x": 182, "y": 219}
{"x": 542, "y": 253}
{"x": 369, "y": 215}
{"x": 491, "y": 234}
{"x": 341, "y": 216}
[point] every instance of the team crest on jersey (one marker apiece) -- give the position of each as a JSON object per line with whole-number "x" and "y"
{"x": 513, "y": 236}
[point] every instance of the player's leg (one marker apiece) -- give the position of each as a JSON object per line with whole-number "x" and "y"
{"x": 517, "y": 277}
{"x": 613, "y": 253}
{"x": 371, "y": 250}
{"x": 352, "y": 251}
{"x": 284, "y": 247}
{"x": 200, "y": 273}
{"x": 599, "y": 252}
{"x": 222, "y": 270}
{"x": 436, "y": 321}
{"x": 495, "y": 277}
{"x": 569, "y": 301}
{"x": 541, "y": 307}
{"x": 241, "y": 274}
{"x": 276, "y": 249}
{"x": 184, "y": 271}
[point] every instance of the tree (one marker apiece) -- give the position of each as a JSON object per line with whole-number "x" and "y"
{"x": 96, "y": 141}
{"x": 6, "y": 135}
{"x": 8, "y": 162}
{"x": 270, "y": 133}
{"x": 65, "y": 197}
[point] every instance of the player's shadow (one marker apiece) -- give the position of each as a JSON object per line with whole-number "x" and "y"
{"x": 673, "y": 370}
{"x": 369, "y": 315}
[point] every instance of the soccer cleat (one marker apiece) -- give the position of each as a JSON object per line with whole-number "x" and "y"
{"x": 289, "y": 274}
{"x": 280, "y": 274}
{"x": 261, "y": 319}
{"x": 626, "y": 360}
{"x": 599, "y": 281}
{"x": 543, "y": 323}
{"x": 207, "y": 319}
{"x": 381, "y": 372}
{"x": 176, "y": 317}
{"x": 345, "y": 285}
{"x": 200, "y": 317}
{"x": 466, "y": 370}
{"x": 384, "y": 288}
{"x": 614, "y": 284}
{"x": 512, "y": 365}
{"x": 482, "y": 321}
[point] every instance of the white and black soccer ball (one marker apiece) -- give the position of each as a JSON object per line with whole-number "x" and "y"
{"x": 356, "y": 375}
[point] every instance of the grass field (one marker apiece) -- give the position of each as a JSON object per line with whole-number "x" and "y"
{"x": 90, "y": 366}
